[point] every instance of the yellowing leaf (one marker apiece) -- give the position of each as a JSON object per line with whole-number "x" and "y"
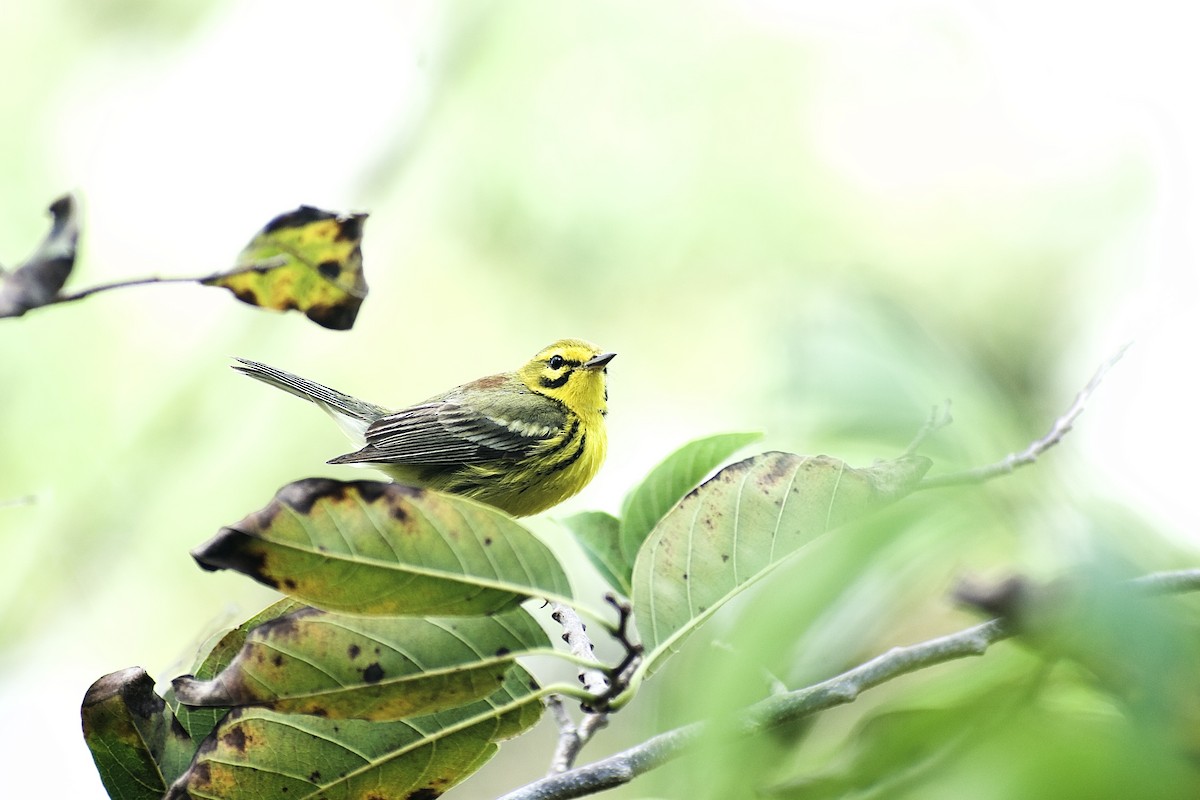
{"x": 138, "y": 747}
{"x": 382, "y": 668}
{"x": 307, "y": 259}
{"x": 255, "y": 753}
{"x": 376, "y": 548}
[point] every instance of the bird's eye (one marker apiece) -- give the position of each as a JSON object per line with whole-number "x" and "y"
{"x": 555, "y": 362}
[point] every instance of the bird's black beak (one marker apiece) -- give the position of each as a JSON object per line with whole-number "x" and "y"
{"x": 600, "y": 361}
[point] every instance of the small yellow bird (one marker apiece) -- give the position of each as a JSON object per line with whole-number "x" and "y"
{"x": 521, "y": 441}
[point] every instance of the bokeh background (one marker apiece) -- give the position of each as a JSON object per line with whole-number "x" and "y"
{"x": 814, "y": 219}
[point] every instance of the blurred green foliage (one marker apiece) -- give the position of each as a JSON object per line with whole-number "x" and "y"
{"x": 814, "y": 223}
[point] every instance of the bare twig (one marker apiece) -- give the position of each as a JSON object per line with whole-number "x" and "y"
{"x": 939, "y": 417}
{"x": 623, "y": 767}
{"x": 575, "y": 635}
{"x": 1058, "y": 430}
{"x": 603, "y": 684}
{"x": 266, "y": 264}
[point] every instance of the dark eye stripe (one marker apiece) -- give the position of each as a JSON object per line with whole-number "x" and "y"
{"x": 554, "y": 383}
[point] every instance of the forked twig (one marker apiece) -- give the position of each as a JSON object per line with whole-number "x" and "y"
{"x": 1030, "y": 454}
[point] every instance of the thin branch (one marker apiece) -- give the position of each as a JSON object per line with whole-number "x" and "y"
{"x": 265, "y": 264}
{"x": 580, "y": 645}
{"x": 623, "y": 767}
{"x": 602, "y": 684}
{"x": 939, "y": 417}
{"x": 1030, "y": 454}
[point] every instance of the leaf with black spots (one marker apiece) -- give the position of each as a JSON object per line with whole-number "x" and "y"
{"x": 741, "y": 524}
{"x": 138, "y": 746}
{"x": 38, "y": 281}
{"x": 309, "y": 260}
{"x": 376, "y": 548}
{"x": 380, "y": 668}
{"x": 256, "y": 753}
{"x": 199, "y": 721}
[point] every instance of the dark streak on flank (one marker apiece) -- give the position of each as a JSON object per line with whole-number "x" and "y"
{"x": 571, "y": 459}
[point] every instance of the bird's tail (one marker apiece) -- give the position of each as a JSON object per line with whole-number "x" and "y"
{"x": 352, "y": 414}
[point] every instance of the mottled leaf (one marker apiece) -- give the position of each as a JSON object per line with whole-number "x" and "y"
{"x": 381, "y": 668}
{"x": 668, "y": 483}
{"x": 39, "y": 280}
{"x": 199, "y": 722}
{"x": 256, "y": 753}
{"x": 599, "y": 534}
{"x": 307, "y": 259}
{"x": 138, "y": 747}
{"x": 741, "y": 524}
{"x": 375, "y": 548}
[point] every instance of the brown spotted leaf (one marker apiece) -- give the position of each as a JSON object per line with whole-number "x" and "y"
{"x": 377, "y": 548}
{"x": 307, "y": 259}
{"x": 381, "y": 668}
{"x": 138, "y": 747}
{"x": 742, "y": 523}
{"x": 38, "y": 281}
{"x": 256, "y": 753}
{"x": 216, "y": 655}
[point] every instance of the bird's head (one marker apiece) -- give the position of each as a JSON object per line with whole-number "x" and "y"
{"x": 571, "y": 371}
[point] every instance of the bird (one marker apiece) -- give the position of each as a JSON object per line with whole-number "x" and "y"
{"x": 520, "y": 441}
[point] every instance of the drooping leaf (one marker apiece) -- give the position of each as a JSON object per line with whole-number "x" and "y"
{"x": 256, "y": 753}
{"x": 599, "y": 534}
{"x": 381, "y": 668}
{"x": 375, "y": 548}
{"x": 198, "y": 721}
{"x": 669, "y": 482}
{"x": 39, "y": 280}
{"x": 138, "y": 747}
{"x": 741, "y": 524}
{"x": 307, "y": 259}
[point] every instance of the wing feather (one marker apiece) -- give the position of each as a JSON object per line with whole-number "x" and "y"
{"x": 454, "y": 431}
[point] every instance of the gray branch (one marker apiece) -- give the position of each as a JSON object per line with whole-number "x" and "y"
{"x": 623, "y": 767}
{"x": 1030, "y": 454}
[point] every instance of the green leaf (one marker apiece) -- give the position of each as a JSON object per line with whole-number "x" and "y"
{"x": 380, "y": 668}
{"x": 740, "y": 525}
{"x": 199, "y": 722}
{"x": 256, "y": 753}
{"x": 668, "y": 483}
{"x": 599, "y": 534}
{"x": 307, "y": 259}
{"x": 368, "y": 547}
{"x": 38, "y": 281}
{"x": 138, "y": 747}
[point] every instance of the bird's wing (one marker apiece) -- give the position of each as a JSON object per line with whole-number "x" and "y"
{"x": 461, "y": 430}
